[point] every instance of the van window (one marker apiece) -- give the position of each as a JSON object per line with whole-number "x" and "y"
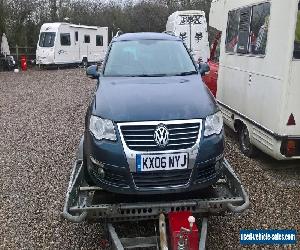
{"x": 297, "y": 36}
{"x": 259, "y": 28}
{"x": 243, "y": 36}
{"x": 47, "y": 39}
{"x": 76, "y": 36}
{"x": 99, "y": 40}
{"x": 232, "y": 30}
{"x": 247, "y": 29}
{"x": 65, "y": 39}
{"x": 86, "y": 39}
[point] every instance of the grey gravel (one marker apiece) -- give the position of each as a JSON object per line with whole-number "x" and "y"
{"x": 42, "y": 119}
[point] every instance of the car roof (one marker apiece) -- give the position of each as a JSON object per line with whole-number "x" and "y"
{"x": 145, "y": 36}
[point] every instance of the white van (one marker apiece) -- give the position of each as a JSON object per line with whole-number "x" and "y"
{"x": 65, "y": 43}
{"x": 259, "y": 72}
{"x": 191, "y": 27}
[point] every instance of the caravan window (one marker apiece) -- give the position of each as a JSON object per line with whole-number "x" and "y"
{"x": 99, "y": 40}
{"x": 232, "y": 30}
{"x": 86, "y": 39}
{"x": 76, "y": 36}
{"x": 65, "y": 39}
{"x": 297, "y": 36}
{"x": 47, "y": 39}
{"x": 259, "y": 28}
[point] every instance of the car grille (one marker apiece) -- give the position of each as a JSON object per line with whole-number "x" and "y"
{"x": 141, "y": 137}
{"x": 161, "y": 178}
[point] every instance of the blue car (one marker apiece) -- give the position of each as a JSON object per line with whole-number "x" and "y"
{"x": 152, "y": 127}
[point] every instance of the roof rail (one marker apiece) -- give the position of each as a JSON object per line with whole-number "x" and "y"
{"x": 169, "y": 33}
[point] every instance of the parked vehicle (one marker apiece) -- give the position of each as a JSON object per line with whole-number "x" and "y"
{"x": 65, "y": 43}
{"x": 153, "y": 126}
{"x": 259, "y": 71}
{"x": 211, "y": 78}
{"x": 7, "y": 62}
{"x": 191, "y": 27}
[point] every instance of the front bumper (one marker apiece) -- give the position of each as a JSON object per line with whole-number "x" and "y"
{"x": 108, "y": 168}
{"x": 89, "y": 202}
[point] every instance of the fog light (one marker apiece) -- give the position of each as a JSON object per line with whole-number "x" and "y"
{"x": 101, "y": 172}
{"x": 218, "y": 166}
{"x": 99, "y": 167}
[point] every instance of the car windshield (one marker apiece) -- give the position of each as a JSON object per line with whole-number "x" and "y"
{"x": 47, "y": 39}
{"x": 148, "y": 58}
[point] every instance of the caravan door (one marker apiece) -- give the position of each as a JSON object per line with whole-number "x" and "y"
{"x": 64, "y": 46}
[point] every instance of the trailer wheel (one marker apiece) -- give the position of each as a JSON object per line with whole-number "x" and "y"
{"x": 246, "y": 147}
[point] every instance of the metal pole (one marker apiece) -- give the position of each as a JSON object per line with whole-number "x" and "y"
{"x": 162, "y": 232}
{"x": 190, "y": 36}
{"x": 17, "y": 53}
{"x": 115, "y": 241}
{"x": 203, "y": 235}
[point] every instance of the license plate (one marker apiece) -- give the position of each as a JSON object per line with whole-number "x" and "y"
{"x": 156, "y": 162}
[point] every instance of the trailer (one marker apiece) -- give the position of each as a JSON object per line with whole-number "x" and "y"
{"x": 65, "y": 43}
{"x": 191, "y": 27}
{"x": 84, "y": 202}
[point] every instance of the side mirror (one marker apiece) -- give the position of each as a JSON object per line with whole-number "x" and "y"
{"x": 203, "y": 68}
{"x": 92, "y": 72}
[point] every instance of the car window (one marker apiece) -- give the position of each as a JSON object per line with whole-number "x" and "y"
{"x": 47, "y": 39}
{"x": 148, "y": 58}
{"x": 297, "y": 36}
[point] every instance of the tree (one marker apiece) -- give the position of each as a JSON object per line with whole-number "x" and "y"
{"x": 2, "y": 16}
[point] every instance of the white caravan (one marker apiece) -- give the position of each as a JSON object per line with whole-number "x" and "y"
{"x": 191, "y": 27}
{"x": 65, "y": 43}
{"x": 259, "y": 72}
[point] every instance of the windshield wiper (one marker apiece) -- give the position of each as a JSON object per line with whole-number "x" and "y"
{"x": 187, "y": 73}
{"x": 150, "y": 75}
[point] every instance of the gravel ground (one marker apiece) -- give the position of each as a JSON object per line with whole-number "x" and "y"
{"x": 42, "y": 117}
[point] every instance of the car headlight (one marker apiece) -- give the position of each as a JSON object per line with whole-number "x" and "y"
{"x": 213, "y": 124}
{"x": 102, "y": 128}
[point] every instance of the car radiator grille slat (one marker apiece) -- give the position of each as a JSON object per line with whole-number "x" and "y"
{"x": 161, "y": 178}
{"x": 141, "y": 137}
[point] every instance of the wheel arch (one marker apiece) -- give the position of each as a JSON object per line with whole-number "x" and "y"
{"x": 238, "y": 124}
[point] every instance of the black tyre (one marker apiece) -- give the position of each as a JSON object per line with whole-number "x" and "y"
{"x": 245, "y": 144}
{"x": 84, "y": 62}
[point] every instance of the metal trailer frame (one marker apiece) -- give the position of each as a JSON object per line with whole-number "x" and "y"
{"x": 84, "y": 202}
